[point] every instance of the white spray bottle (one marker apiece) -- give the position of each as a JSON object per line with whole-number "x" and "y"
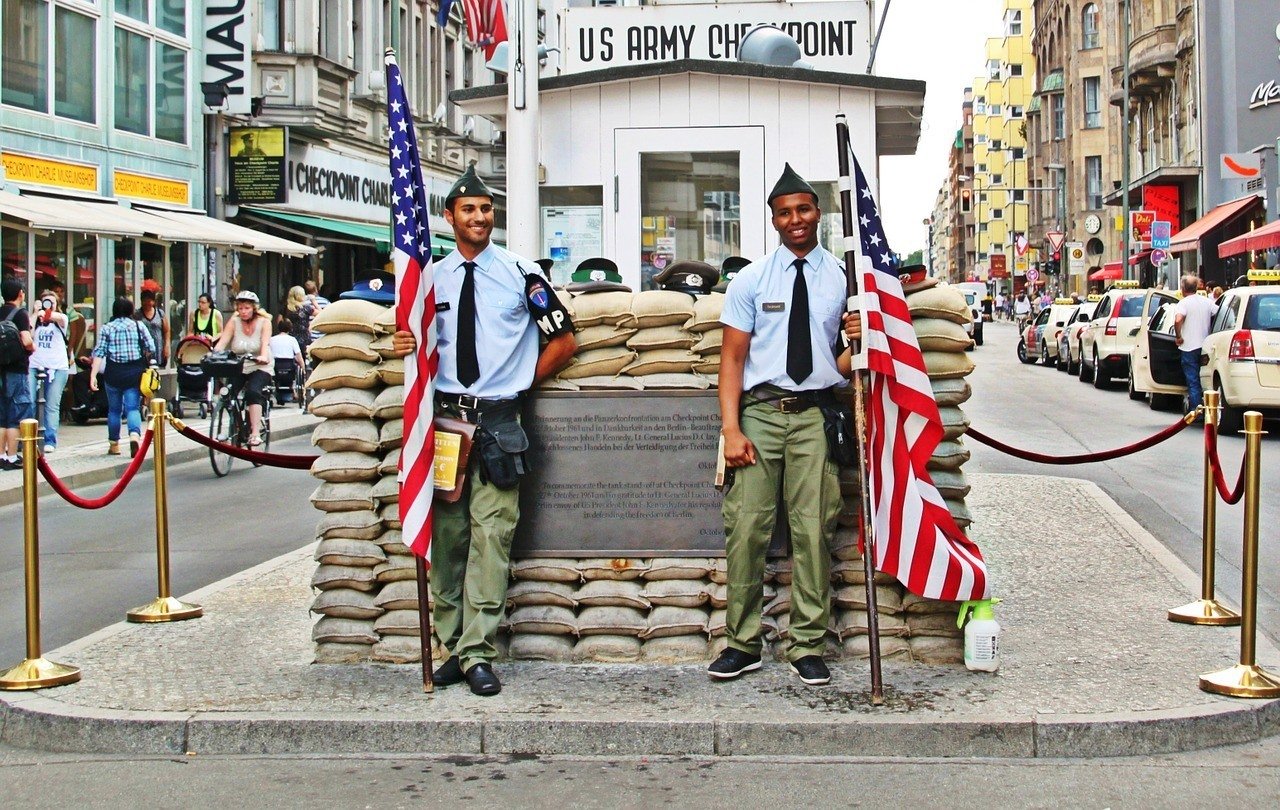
{"x": 981, "y": 635}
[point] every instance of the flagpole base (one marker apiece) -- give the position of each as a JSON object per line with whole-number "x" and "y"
{"x": 38, "y": 673}
{"x": 1242, "y": 680}
{"x": 165, "y": 609}
{"x": 1205, "y": 612}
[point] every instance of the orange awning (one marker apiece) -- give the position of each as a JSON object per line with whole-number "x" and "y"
{"x": 1264, "y": 238}
{"x": 1189, "y": 237}
{"x": 1111, "y": 271}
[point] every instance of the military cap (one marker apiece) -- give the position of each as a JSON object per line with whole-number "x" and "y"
{"x": 790, "y": 183}
{"x": 596, "y": 274}
{"x": 468, "y": 185}
{"x": 728, "y": 269}
{"x": 546, "y": 265}
{"x": 688, "y": 276}
{"x": 914, "y": 278}
{"x": 377, "y": 286}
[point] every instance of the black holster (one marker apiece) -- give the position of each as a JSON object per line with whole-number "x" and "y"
{"x": 842, "y": 439}
{"x": 501, "y": 443}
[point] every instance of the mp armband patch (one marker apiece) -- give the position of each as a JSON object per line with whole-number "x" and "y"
{"x": 545, "y": 307}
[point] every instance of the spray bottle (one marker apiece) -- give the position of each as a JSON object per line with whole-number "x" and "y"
{"x": 981, "y": 635}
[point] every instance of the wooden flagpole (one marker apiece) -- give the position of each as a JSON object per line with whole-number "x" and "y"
{"x": 851, "y": 252}
{"x": 424, "y": 626}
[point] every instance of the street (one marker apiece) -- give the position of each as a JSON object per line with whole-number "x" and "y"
{"x": 1041, "y": 409}
{"x": 96, "y": 565}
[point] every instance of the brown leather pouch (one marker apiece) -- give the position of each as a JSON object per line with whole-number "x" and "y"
{"x": 453, "y": 449}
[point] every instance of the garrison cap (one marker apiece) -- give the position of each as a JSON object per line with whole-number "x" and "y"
{"x": 468, "y": 185}
{"x": 790, "y": 183}
{"x": 688, "y": 276}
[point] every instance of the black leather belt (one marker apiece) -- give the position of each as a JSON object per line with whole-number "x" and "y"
{"x": 787, "y": 401}
{"x": 468, "y": 406}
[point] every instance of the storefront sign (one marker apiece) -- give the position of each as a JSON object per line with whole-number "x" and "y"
{"x": 1265, "y": 94}
{"x": 228, "y": 39}
{"x": 256, "y": 164}
{"x": 1165, "y": 201}
{"x": 1140, "y": 225}
{"x": 831, "y": 35}
{"x": 147, "y": 187}
{"x": 47, "y": 172}
{"x": 328, "y": 183}
{"x": 999, "y": 266}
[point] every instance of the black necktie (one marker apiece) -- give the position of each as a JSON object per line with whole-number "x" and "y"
{"x": 799, "y": 346}
{"x": 468, "y": 365}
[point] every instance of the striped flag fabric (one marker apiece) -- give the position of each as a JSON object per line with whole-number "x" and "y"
{"x": 916, "y": 538}
{"x": 415, "y": 312}
{"x": 486, "y": 23}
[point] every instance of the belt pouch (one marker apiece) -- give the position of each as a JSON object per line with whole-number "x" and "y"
{"x": 837, "y": 423}
{"x": 502, "y": 445}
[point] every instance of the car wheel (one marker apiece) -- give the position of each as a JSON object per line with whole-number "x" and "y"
{"x": 1134, "y": 393}
{"x": 1100, "y": 379}
{"x": 1064, "y": 360}
{"x": 1022, "y": 353}
{"x": 1044, "y": 355}
{"x": 1230, "y": 420}
{"x": 1085, "y": 373}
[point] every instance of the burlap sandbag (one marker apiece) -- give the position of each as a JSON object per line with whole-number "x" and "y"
{"x": 542, "y": 619}
{"x": 532, "y": 592}
{"x": 397, "y": 568}
{"x": 708, "y": 367}
{"x": 343, "y": 631}
{"x": 687, "y": 593}
{"x": 401, "y": 595}
{"x": 611, "y": 621}
{"x": 938, "y": 335}
{"x": 546, "y": 569}
{"x": 692, "y": 382}
{"x": 954, "y": 423}
{"x": 603, "y": 336}
{"x": 566, "y": 298}
{"x": 851, "y": 572}
{"x": 937, "y": 650}
{"x": 662, "y": 361}
{"x": 348, "y": 315}
{"x": 389, "y": 514}
{"x": 778, "y": 571}
{"x": 541, "y": 647}
{"x": 385, "y": 348}
{"x": 918, "y": 604}
{"x": 668, "y": 621}
{"x": 343, "y": 403}
{"x": 356, "y": 577}
{"x": 660, "y": 308}
{"x": 356, "y": 435}
{"x": 385, "y": 322}
{"x": 343, "y": 374}
{"x": 948, "y": 456}
{"x": 398, "y": 623}
{"x": 892, "y": 648}
{"x": 326, "y": 653}
{"x": 951, "y": 392}
{"x": 717, "y": 594}
{"x": 346, "y": 603}
{"x": 598, "y": 363}
{"x": 397, "y": 650}
{"x": 780, "y": 603}
{"x": 342, "y": 497}
{"x": 947, "y": 365}
{"x": 888, "y": 598}
{"x": 715, "y": 624}
{"x": 593, "y": 309}
{"x": 392, "y": 542}
{"x": 718, "y": 571}
{"x": 391, "y": 435}
{"x": 618, "y": 568}
{"x": 674, "y": 649}
{"x": 611, "y": 593}
{"x": 951, "y": 484}
{"x": 390, "y": 463}
{"x": 661, "y": 337}
{"x": 345, "y": 551}
{"x": 344, "y": 467}
{"x": 386, "y": 490}
{"x": 854, "y": 623}
{"x": 389, "y": 403}
{"x": 934, "y": 624}
{"x": 391, "y": 372}
{"x": 947, "y": 303}
{"x": 344, "y": 346}
{"x": 960, "y": 512}
{"x": 606, "y": 649}
{"x": 710, "y": 343}
{"x": 361, "y": 524}
{"x": 706, "y": 313}
{"x": 678, "y": 568}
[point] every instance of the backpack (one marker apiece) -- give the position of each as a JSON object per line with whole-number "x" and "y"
{"x": 12, "y": 352}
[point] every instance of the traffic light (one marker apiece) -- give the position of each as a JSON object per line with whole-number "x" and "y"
{"x": 1052, "y": 265}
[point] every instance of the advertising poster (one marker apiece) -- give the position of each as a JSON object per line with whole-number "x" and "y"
{"x": 256, "y": 164}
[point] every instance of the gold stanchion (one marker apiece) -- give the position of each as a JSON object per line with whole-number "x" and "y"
{"x": 1207, "y": 610}
{"x": 1247, "y": 679}
{"x": 164, "y": 608}
{"x": 36, "y": 672}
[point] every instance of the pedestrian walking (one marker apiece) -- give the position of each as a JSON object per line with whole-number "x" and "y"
{"x": 151, "y": 315}
{"x": 50, "y": 365}
{"x": 782, "y": 316}
{"x": 1192, "y": 316}
{"x": 16, "y": 345}
{"x": 999, "y": 306}
{"x": 297, "y": 312}
{"x": 123, "y": 351}
{"x": 206, "y": 320}
{"x": 486, "y": 301}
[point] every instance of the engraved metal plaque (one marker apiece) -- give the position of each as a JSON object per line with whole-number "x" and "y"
{"x": 621, "y": 474}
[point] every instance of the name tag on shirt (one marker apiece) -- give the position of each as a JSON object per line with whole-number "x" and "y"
{"x": 442, "y": 306}
{"x": 775, "y": 306}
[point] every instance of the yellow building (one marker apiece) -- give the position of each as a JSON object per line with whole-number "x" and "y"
{"x": 999, "y": 179}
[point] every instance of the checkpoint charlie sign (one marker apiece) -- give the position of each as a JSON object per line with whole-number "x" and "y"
{"x": 832, "y": 36}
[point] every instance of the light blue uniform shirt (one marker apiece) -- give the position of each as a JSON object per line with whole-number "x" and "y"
{"x": 506, "y": 337}
{"x": 758, "y": 301}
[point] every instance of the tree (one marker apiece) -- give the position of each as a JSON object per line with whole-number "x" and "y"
{"x": 915, "y": 257}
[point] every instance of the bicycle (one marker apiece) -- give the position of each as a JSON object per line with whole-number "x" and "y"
{"x": 229, "y": 422}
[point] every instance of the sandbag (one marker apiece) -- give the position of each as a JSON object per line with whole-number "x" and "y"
{"x": 391, "y": 372}
{"x": 541, "y": 647}
{"x": 532, "y": 592}
{"x": 356, "y": 435}
{"x": 674, "y": 649}
{"x": 385, "y": 348}
{"x": 557, "y": 384}
{"x": 951, "y": 483}
{"x": 954, "y": 423}
{"x": 888, "y": 598}
{"x": 342, "y": 497}
{"x": 343, "y": 374}
{"x": 390, "y": 463}
{"x": 678, "y": 568}
{"x": 391, "y": 435}
{"x": 960, "y": 512}
{"x": 344, "y": 467}
{"x": 343, "y": 403}
{"x": 343, "y": 631}
{"x": 546, "y": 569}
{"x": 938, "y": 335}
{"x": 947, "y": 303}
{"x": 611, "y": 593}
{"x": 937, "y": 650}
{"x": 687, "y": 593}
{"x": 346, "y": 603}
{"x": 392, "y": 542}
{"x": 708, "y": 367}
{"x": 606, "y": 383}
{"x": 661, "y": 337}
{"x": 660, "y": 308}
{"x": 389, "y": 403}
{"x": 544, "y": 620}
{"x": 355, "y": 577}
{"x": 694, "y": 382}
{"x": 331, "y": 653}
{"x": 602, "y": 337}
{"x": 710, "y": 343}
{"x": 951, "y": 392}
{"x": 934, "y": 624}
{"x": 398, "y": 623}
{"x": 400, "y": 595}
{"x": 619, "y": 568}
{"x": 613, "y": 621}
{"x": 662, "y": 361}
{"x": 667, "y": 621}
{"x": 912, "y": 603}
{"x": 362, "y": 524}
{"x": 718, "y": 571}
{"x": 344, "y": 346}
{"x": 717, "y": 595}
{"x": 344, "y": 551}
{"x": 397, "y": 568}
{"x": 715, "y": 624}
{"x": 948, "y": 456}
{"x": 389, "y": 514}
{"x": 385, "y": 322}
{"x": 348, "y": 315}
{"x": 598, "y": 362}
{"x": 706, "y": 313}
{"x": 606, "y": 649}
{"x": 386, "y": 490}
{"x": 593, "y": 309}
{"x": 892, "y": 648}
{"x": 397, "y": 650}
{"x": 947, "y": 365}
{"x": 854, "y": 622}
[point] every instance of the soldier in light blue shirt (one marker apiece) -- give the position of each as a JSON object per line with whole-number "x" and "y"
{"x": 780, "y": 359}
{"x": 491, "y": 307}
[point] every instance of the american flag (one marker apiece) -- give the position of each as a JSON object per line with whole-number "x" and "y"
{"x": 415, "y": 312}
{"x": 916, "y": 538}
{"x": 486, "y": 22}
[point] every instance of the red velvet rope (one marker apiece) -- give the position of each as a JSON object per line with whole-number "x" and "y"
{"x": 269, "y": 459}
{"x": 97, "y": 503}
{"x": 1211, "y": 448}
{"x": 1082, "y": 458}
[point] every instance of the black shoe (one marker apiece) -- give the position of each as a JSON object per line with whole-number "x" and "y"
{"x": 732, "y": 663}
{"x": 482, "y": 680}
{"x": 6, "y": 464}
{"x": 449, "y": 673}
{"x": 812, "y": 670}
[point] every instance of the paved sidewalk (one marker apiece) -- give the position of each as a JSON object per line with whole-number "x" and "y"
{"x": 81, "y": 458}
{"x": 1091, "y": 668}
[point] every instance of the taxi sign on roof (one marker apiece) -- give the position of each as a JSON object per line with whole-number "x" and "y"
{"x": 1095, "y": 297}
{"x": 1259, "y": 274}
{"x": 1067, "y": 301}
{"x": 1125, "y": 284}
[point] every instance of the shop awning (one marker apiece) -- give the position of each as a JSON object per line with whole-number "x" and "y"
{"x": 1264, "y": 238}
{"x": 55, "y": 214}
{"x": 217, "y": 232}
{"x": 379, "y": 235}
{"x": 1189, "y": 237}
{"x": 1111, "y": 271}
{"x": 1137, "y": 258}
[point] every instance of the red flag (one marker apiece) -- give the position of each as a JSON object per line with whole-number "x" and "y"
{"x": 486, "y": 23}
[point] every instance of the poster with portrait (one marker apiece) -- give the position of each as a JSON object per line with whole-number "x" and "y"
{"x": 256, "y": 164}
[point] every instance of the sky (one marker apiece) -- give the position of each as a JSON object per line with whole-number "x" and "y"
{"x": 943, "y": 43}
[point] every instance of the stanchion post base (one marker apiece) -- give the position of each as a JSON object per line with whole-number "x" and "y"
{"x": 1206, "y": 612}
{"x": 165, "y": 609}
{"x": 38, "y": 673}
{"x": 1242, "y": 681}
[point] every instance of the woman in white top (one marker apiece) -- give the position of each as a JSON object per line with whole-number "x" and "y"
{"x": 249, "y": 332}
{"x": 48, "y": 364}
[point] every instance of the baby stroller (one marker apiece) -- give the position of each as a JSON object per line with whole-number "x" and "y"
{"x": 194, "y": 384}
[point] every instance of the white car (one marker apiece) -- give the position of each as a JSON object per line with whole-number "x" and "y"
{"x": 1105, "y": 342}
{"x": 974, "y": 327}
{"x": 1241, "y": 358}
{"x": 1069, "y": 340}
{"x": 1155, "y": 362}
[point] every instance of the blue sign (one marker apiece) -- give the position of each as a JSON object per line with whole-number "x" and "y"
{"x": 1160, "y": 234}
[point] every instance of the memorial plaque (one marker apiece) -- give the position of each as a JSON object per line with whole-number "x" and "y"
{"x": 621, "y": 474}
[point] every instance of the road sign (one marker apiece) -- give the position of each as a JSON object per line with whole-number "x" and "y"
{"x": 1160, "y": 234}
{"x": 1075, "y": 257}
{"x": 1020, "y": 243}
{"x": 1158, "y": 256}
{"x": 1033, "y": 275}
{"x": 1055, "y": 239}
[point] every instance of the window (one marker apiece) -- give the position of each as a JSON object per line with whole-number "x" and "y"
{"x": 270, "y": 17}
{"x": 1015, "y": 69}
{"x": 997, "y": 179}
{"x": 1015, "y": 111}
{"x": 980, "y": 138}
{"x": 1057, "y": 117}
{"x": 74, "y": 63}
{"x": 26, "y": 54}
{"x": 1019, "y": 196}
{"x": 981, "y": 168}
{"x": 1017, "y": 153}
{"x": 997, "y": 213}
{"x": 993, "y": 69}
{"x": 29, "y": 78}
{"x": 1093, "y": 181}
{"x": 152, "y": 74}
{"x": 995, "y": 109}
{"x": 1013, "y": 24}
{"x": 1089, "y": 35}
{"x": 1092, "y": 105}
{"x": 997, "y": 144}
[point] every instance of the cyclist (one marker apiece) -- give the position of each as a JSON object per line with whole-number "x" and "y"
{"x": 249, "y": 333}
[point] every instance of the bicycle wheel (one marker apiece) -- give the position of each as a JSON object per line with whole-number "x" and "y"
{"x": 224, "y": 428}
{"x": 265, "y": 432}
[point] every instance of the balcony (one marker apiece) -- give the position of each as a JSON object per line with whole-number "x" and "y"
{"x": 1153, "y": 59}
